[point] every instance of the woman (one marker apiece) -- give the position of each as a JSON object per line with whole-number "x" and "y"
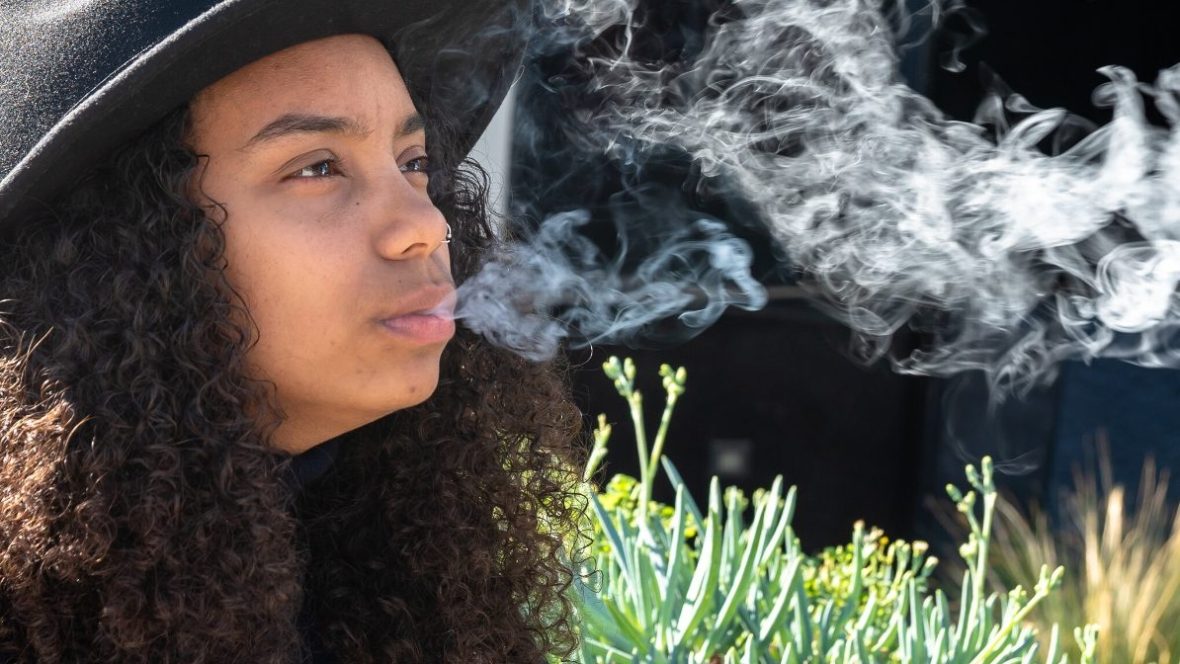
{"x": 237, "y": 423}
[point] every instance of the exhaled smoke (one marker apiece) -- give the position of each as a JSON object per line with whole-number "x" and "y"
{"x": 1009, "y": 259}
{"x": 558, "y": 282}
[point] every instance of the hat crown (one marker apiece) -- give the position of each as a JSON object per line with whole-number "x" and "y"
{"x": 56, "y": 52}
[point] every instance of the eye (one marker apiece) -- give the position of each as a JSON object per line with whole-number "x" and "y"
{"x": 417, "y": 165}
{"x": 320, "y": 169}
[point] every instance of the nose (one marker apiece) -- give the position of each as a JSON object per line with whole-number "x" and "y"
{"x": 407, "y": 223}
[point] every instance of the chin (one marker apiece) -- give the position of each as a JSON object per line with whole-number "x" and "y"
{"x": 404, "y": 385}
{"x": 413, "y": 394}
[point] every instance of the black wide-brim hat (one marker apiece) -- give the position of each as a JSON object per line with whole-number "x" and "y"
{"x": 81, "y": 77}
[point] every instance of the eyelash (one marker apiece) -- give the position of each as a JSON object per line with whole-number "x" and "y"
{"x": 423, "y": 167}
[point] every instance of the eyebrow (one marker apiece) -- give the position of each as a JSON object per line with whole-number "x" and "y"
{"x": 302, "y": 123}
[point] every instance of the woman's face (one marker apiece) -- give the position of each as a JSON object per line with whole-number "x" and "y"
{"x": 319, "y": 158}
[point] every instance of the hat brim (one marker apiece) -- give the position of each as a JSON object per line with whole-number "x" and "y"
{"x": 458, "y": 59}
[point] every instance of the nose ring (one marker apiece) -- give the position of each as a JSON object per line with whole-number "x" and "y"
{"x": 449, "y": 235}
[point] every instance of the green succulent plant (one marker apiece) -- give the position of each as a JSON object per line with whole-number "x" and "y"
{"x": 693, "y": 583}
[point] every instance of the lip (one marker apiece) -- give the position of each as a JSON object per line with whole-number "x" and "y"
{"x": 426, "y": 317}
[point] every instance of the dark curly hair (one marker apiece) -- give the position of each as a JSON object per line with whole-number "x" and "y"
{"x": 145, "y": 518}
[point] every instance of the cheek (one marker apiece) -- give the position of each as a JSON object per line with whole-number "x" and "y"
{"x": 292, "y": 279}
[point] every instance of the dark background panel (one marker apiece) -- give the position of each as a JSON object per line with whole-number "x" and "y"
{"x": 774, "y": 393}
{"x": 1049, "y": 51}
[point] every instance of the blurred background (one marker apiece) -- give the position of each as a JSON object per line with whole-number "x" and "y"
{"x": 779, "y": 391}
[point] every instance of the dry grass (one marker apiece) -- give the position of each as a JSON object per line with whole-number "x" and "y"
{"x": 1122, "y": 563}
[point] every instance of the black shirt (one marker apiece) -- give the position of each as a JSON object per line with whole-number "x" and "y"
{"x": 306, "y": 468}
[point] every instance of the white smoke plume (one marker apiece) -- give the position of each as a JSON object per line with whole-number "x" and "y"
{"x": 1009, "y": 259}
{"x": 559, "y": 281}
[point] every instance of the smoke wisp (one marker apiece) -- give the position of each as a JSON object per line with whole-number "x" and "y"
{"x": 1007, "y": 258}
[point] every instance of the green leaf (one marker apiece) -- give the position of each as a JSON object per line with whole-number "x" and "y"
{"x": 774, "y": 620}
{"x": 673, "y": 595}
{"x": 630, "y": 631}
{"x": 740, "y": 586}
{"x": 704, "y": 581}
{"x": 618, "y": 548}
{"x": 677, "y": 482}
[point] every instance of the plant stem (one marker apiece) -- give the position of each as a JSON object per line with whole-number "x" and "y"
{"x": 635, "y": 400}
{"x": 661, "y": 434}
{"x": 981, "y": 567}
{"x": 1017, "y": 619}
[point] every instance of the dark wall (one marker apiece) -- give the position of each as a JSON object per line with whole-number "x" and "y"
{"x": 774, "y": 393}
{"x": 1050, "y": 50}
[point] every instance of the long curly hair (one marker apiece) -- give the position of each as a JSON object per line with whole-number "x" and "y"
{"x": 144, "y": 517}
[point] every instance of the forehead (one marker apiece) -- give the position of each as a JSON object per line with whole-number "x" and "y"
{"x": 341, "y": 75}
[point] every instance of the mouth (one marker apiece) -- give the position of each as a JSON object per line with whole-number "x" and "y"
{"x": 426, "y": 318}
